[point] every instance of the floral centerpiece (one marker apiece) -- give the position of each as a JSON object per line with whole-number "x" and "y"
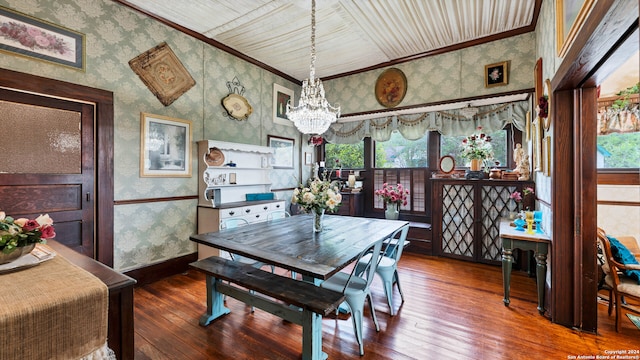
{"x": 22, "y": 233}
{"x": 477, "y": 148}
{"x": 393, "y": 197}
{"x": 317, "y": 197}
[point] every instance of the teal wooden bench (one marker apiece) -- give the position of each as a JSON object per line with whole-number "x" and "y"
{"x": 295, "y": 301}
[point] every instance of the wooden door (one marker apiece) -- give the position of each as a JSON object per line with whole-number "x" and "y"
{"x": 47, "y": 164}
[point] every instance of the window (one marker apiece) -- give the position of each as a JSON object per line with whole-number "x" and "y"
{"x": 618, "y": 151}
{"x": 450, "y": 145}
{"x": 351, "y": 156}
{"x": 399, "y": 152}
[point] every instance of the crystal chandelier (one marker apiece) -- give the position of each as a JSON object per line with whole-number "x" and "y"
{"x": 314, "y": 114}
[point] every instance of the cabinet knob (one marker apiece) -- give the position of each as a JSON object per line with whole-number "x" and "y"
{"x": 278, "y": 206}
{"x": 265, "y": 208}
{"x": 257, "y": 216}
{"x": 247, "y": 211}
{"x": 232, "y": 213}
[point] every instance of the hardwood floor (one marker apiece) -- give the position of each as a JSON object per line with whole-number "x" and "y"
{"x": 453, "y": 310}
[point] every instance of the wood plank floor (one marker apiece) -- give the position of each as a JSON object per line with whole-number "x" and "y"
{"x": 453, "y": 310}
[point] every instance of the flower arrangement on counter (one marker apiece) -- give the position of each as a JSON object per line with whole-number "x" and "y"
{"x": 518, "y": 197}
{"x": 318, "y": 195}
{"x": 393, "y": 194}
{"x": 477, "y": 146}
{"x": 15, "y": 233}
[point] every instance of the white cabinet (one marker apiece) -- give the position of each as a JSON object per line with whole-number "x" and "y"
{"x": 223, "y": 189}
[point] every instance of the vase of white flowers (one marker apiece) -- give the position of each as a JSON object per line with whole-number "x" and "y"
{"x": 316, "y": 198}
{"x": 477, "y": 149}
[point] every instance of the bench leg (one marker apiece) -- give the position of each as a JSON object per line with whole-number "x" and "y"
{"x": 215, "y": 302}
{"x": 312, "y": 336}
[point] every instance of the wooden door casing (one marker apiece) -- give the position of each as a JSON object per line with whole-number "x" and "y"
{"x": 67, "y": 197}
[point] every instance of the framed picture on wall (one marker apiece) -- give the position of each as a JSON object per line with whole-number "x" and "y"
{"x": 570, "y": 15}
{"x": 282, "y": 152}
{"x": 282, "y": 96}
{"x": 38, "y": 39}
{"x": 496, "y": 74}
{"x": 308, "y": 158}
{"x": 165, "y": 149}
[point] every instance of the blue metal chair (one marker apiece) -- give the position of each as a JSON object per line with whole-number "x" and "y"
{"x": 356, "y": 289}
{"x": 388, "y": 264}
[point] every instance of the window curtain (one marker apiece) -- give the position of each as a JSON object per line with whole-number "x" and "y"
{"x": 413, "y": 126}
{"x": 618, "y": 120}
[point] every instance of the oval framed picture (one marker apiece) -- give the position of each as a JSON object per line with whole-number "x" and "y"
{"x": 391, "y": 87}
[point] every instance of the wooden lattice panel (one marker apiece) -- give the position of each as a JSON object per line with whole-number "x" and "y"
{"x": 495, "y": 204}
{"x": 457, "y": 220}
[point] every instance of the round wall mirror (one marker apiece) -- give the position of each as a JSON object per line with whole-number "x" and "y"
{"x": 447, "y": 164}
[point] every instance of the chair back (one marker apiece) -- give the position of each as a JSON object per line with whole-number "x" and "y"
{"x": 608, "y": 259}
{"x": 232, "y": 223}
{"x": 280, "y": 214}
{"x": 395, "y": 244}
{"x": 370, "y": 269}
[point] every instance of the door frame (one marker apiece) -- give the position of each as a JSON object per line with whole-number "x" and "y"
{"x": 600, "y": 47}
{"x": 103, "y": 127}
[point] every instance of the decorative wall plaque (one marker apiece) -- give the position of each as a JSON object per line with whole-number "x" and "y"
{"x": 163, "y": 73}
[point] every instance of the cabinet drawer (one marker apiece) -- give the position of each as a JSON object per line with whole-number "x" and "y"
{"x": 231, "y": 212}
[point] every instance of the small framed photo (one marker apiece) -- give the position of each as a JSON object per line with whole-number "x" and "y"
{"x": 232, "y": 178}
{"x": 38, "y": 39}
{"x": 282, "y": 152}
{"x": 496, "y": 74}
{"x": 165, "y": 149}
{"x": 307, "y": 158}
{"x": 282, "y": 96}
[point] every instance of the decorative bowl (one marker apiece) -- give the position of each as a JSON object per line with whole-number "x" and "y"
{"x": 16, "y": 254}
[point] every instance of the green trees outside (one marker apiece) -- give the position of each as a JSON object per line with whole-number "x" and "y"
{"x": 451, "y": 145}
{"x": 624, "y": 149}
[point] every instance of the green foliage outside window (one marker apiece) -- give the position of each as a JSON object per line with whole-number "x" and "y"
{"x": 620, "y": 150}
{"x": 351, "y": 156}
{"x": 399, "y": 152}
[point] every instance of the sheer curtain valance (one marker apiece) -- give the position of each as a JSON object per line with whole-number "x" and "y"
{"x": 414, "y": 126}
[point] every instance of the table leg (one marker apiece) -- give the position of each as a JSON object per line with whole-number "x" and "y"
{"x": 312, "y": 336}
{"x": 541, "y": 276}
{"x": 215, "y": 302}
{"x": 507, "y": 261}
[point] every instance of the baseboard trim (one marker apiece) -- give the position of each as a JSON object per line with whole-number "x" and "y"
{"x": 153, "y": 273}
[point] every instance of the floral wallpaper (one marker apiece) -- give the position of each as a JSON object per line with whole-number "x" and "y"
{"x": 452, "y": 75}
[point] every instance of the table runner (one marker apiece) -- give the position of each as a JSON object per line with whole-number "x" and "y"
{"x": 55, "y": 310}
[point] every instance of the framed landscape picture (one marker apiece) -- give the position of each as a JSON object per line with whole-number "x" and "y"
{"x": 165, "y": 149}
{"x": 282, "y": 152}
{"x": 41, "y": 40}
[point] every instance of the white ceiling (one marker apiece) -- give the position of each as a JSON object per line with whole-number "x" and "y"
{"x": 350, "y": 34}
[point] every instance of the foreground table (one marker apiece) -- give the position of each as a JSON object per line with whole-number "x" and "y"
{"x": 54, "y": 310}
{"x": 514, "y": 239}
{"x": 290, "y": 243}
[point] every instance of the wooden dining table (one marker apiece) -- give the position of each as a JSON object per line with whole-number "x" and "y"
{"x": 290, "y": 243}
